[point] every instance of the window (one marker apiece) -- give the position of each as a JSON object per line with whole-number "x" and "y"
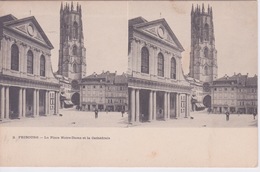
{"x": 160, "y": 65}
{"x": 232, "y": 88}
{"x": 75, "y": 30}
{"x": 225, "y": 89}
{"x": 74, "y": 51}
{"x": 145, "y": 60}
{"x": 206, "y": 70}
{"x": 94, "y": 86}
{"x": 173, "y": 68}
{"x": 14, "y": 57}
{"x": 74, "y": 68}
{"x": 215, "y": 89}
{"x": 42, "y": 66}
{"x": 206, "y": 52}
{"x": 206, "y": 32}
{"x": 30, "y": 62}
{"x": 83, "y": 86}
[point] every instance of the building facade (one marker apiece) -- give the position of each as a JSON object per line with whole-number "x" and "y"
{"x": 156, "y": 84}
{"x": 106, "y": 92}
{"x": 72, "y": 53}
{"x": 28, "y": 86}
{"x": 237, "y": 94}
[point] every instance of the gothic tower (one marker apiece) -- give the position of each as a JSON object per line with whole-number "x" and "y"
{"x": 72, "y": 53}
{"x": 203, "y": 55}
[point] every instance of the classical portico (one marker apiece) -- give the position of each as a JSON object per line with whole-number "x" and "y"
{"x": 157, "y": 87}
{"x": 28, "y": 87}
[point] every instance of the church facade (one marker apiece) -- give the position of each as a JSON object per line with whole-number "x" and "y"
{"x": 72, "y": 53}
{"x": 28, "y": 86}
{"x": 157, "y": 88}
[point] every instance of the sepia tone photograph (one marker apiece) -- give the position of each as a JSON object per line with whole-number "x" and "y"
{"x": 106, "y": 73}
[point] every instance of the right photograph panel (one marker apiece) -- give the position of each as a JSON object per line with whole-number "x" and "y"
{"x": 192, "y": 64}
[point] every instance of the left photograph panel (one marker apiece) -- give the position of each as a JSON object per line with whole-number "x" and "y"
{"x": 65, "y": 66}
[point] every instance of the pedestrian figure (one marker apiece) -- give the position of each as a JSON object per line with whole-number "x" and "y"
{"x": 106, "y": 110}
{"x": 96, "y": 113}
{"x": 227, "y": 115}
{"x": 122, "y": 112}
{"x": 254, "y": 114}
{"x": 142, "y": 117}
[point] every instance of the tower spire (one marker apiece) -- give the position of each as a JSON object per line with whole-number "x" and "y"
{"x": 202, "y": 8}
{"x": 192, "y": 10}
{"x": 72, "y": 6}
{"x": 61, "y": 7}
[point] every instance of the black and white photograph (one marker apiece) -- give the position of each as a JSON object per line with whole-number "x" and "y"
{"x": 120, "y": 73}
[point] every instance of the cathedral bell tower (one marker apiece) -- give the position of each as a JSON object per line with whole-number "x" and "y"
{"x": 72, "y": 53}
{"x": 203, "y": 55}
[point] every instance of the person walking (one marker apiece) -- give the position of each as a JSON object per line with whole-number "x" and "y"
{"x": 122, "y": 112}
{"x": 227, "y": 115}
{"x": 254, "y": 114}
{"x": 96, "y": 113}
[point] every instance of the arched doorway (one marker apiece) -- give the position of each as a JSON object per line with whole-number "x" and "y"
{"x": 207, "y": 101}
{"x": 75, "y": 98}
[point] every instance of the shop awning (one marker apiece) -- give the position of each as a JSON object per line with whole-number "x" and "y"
{"x": 199, "y": 105}
{"x": 68, "y": 102}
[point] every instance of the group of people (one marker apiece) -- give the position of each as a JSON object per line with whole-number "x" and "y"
{"x": 96, "y": 112}
{"x": 228, "y": 113}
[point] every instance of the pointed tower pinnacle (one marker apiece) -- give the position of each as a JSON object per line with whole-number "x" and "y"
{"x": 72, "y": 6}
{"x": 61, "y": 7}
{"x": 203, "y": 8}
{"x": 192, "y": 9}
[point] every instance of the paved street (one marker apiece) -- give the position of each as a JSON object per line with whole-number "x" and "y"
{"x": 73, "y": 118}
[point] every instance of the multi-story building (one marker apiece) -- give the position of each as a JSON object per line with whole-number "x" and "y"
{"x": 237, "y": 94}
{"x": 72, "y": 53}
{"x": 28, "y": 86}
{"x": 157, "y": 87}
{"x": 105, "y": 91}
{"x": 197, "y": 94}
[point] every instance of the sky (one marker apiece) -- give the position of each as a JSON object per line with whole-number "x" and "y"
{"x": 105, "y": 30}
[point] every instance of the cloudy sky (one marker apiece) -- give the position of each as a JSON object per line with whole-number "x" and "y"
{"x": 105, "y": 30}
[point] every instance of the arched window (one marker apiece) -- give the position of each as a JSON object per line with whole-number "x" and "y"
{"x": 74, "y": 51}
{"x": 74, "y": 68}
{"x": 75, "y": 30}
{"x": 206, "y": 72}
{"x": 206, "y": 52}
{"x": 206, "y": 32}
{"x": 30, "y": 62}
{"x": 160, "y": 65}
{"x": 145, "y": 60}
{"x": 173, "y": 68}
{"x": 42, "y": 65}
{"x": 14, "y": 57}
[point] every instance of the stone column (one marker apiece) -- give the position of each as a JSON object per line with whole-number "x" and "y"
{"x": 169, "y": 106}
{"x": 24, "y": 103}
{"x": 187, "y": 106}
{"x": 132, "y": 114}
{"x": 154, "y": 105}
{"x": 57, "y": 100}
{"x": 165, "y": 106}
{"x": 34, "y": 102}
{"x": 2, "y": 102}
{"x": 20, "y": 102}
{"x": 37, "y": 102}
{"x": 7, "y": 108}
{"x": 137, "y": 106}
{"x": 46, "y": 102}
{"x": 150, "y": 105}
{"x": 177, "y": 105}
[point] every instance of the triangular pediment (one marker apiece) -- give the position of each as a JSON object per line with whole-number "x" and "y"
{"x": 30, "y": 28}
{"x": 160, "y": 30}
